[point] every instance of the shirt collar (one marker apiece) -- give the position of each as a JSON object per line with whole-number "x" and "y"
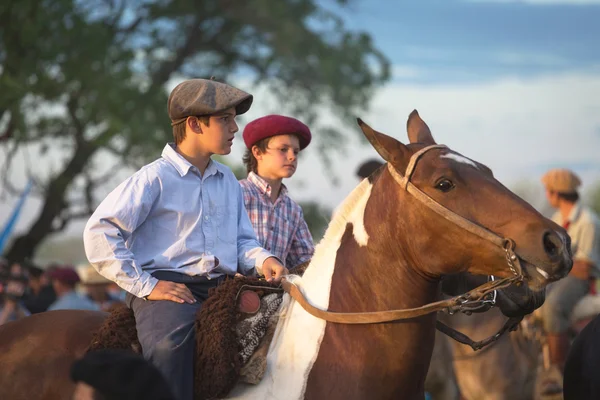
{"x": 183, "y": 166}
{"x": 264, "y": 186}
{"x": 575, "y": 212}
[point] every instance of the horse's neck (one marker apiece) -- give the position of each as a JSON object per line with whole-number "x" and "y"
{"x": 398, "y": 353}
{"x": 314, "y": 359}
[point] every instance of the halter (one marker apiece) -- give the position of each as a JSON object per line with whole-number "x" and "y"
{"x": 468, "y": 302}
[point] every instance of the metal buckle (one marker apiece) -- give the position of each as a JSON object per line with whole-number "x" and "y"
{"x": 511, "y": 257}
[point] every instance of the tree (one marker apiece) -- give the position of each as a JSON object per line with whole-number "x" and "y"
{"x": 84, "y": 80}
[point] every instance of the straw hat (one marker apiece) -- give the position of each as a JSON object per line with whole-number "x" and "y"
{"x": 89, "y": 276}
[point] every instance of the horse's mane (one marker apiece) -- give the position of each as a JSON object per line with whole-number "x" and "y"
{"x": 344, "y": 214}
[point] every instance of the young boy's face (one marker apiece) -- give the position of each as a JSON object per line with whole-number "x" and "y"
{"x": 217, "y": 137}
{"x": 280, "y": 158}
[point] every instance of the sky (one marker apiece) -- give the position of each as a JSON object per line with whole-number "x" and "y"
{"x": 512, "y": 84}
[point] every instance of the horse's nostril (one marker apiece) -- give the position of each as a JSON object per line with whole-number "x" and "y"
{"x": 552, "y": 243}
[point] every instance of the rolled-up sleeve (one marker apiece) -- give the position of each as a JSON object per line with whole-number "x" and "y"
{"x": 108, "y": 229}
{"x": 251, "y": 255}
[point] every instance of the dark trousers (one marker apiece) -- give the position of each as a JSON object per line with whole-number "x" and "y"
{"x": 166, "y": 331}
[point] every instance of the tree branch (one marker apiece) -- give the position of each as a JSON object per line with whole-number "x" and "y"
{"x": 10, "y": 129}
{"x": 167, "y": 68}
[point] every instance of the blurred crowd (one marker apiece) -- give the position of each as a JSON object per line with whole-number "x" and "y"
{"x": 26, "y": 288}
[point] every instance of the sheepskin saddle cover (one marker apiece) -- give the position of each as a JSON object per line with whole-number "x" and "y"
{"x": 231, "y": 341}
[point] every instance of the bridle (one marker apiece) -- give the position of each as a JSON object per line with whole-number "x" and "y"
{"x": 481, "y": 297}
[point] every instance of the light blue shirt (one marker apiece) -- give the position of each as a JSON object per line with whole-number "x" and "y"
{"x": 73, "y": 301}
{"x": 168, "y": 216}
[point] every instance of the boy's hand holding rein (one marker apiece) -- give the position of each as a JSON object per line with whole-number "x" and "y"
{"x": 273, "y": 270}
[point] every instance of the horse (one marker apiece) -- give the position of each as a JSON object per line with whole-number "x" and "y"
{"x": 429, "y": 212}
{"x": 506, "y": 369}
{"x": 515, "y": 366}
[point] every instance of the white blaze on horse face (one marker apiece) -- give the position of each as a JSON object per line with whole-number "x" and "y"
{"x": 298, "y": 336}
{"x": 460, "y": 159}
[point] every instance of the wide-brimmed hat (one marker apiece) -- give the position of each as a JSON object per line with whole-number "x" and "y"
{"x": 89, "y": 275}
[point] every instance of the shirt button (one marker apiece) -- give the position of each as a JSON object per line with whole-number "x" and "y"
{"x": 208, "y": 253}
{"x": 206, "y": 217}
{"x": 272, "y": 228}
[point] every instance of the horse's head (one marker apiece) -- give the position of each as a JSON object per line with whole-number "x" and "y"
{"x": 459, "y": 211}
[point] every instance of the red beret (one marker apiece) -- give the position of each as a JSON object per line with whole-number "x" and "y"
{"x": 273, "y": 125}
{"x": 66, "y": 275}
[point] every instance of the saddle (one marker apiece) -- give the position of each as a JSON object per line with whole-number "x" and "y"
{"x": 234, "y": 328}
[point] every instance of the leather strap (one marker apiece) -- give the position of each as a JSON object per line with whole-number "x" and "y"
{"x": 451, "y": 305}
{"x": 510, "y": 325}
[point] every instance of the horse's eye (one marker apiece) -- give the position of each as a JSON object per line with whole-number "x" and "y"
{"x": 444, "y": 185}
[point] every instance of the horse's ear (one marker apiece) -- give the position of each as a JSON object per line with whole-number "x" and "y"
{"x": 388, "y": 148}
{"x": 418, "y": 131}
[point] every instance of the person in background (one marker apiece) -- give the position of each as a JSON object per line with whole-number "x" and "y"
{"x": 64, "y": 281}
{"x": 583, "y": 226}
{"x": 365, "y": 169}
{"x": 11, "y": 306}
{"x": 117, "y": 375}
{"x": 39, "y": 294}
{"x": 96, "y": 286}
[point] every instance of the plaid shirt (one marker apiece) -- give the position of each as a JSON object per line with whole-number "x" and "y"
{"x": 279, "y": 226}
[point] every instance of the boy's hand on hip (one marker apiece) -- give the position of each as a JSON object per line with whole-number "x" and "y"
{"x": 273, "y": 270}
{"x": 177, "y": 292}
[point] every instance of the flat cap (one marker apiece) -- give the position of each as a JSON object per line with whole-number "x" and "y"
{"x": 197, "y": 97}
{"x": 561, "y": 180}
{"x": 273, "y": 125}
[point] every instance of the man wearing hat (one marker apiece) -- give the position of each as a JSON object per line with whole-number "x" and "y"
{"x": 583, "y": 227}
{"x": 64, "y": 280}
{"x": 178, "y": 227}
{"x": 96, "y": 287}
{"x": 272, "y": 146}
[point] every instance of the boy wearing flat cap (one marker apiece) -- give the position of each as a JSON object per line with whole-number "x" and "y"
{"x": 178, "y": 227}
{"x": 273, "y": 143}
{"x": 583, "y": 227}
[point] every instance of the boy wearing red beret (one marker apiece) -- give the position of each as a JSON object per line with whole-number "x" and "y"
{"x": 272, "y": 146}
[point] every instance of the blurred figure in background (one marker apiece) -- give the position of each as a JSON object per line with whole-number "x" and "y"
{"x": 64, "y": 280}
{"x": 96, "y": 287}
{"x": 14, "y": 282}
{"x": 39, "y": 294}
{"x": 367, "y": 168}
{"x": 117, "y": 374}
{"x": 583, "y": 226}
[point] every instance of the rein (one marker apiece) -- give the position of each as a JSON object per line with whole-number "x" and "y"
{"x": 468, "y": 302}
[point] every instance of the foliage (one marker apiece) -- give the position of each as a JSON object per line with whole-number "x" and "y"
{"x": 84, "y": 83}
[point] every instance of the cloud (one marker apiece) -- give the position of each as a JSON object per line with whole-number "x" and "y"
{"x": 518, "y": 127}
{"x": 540, "y": 2}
